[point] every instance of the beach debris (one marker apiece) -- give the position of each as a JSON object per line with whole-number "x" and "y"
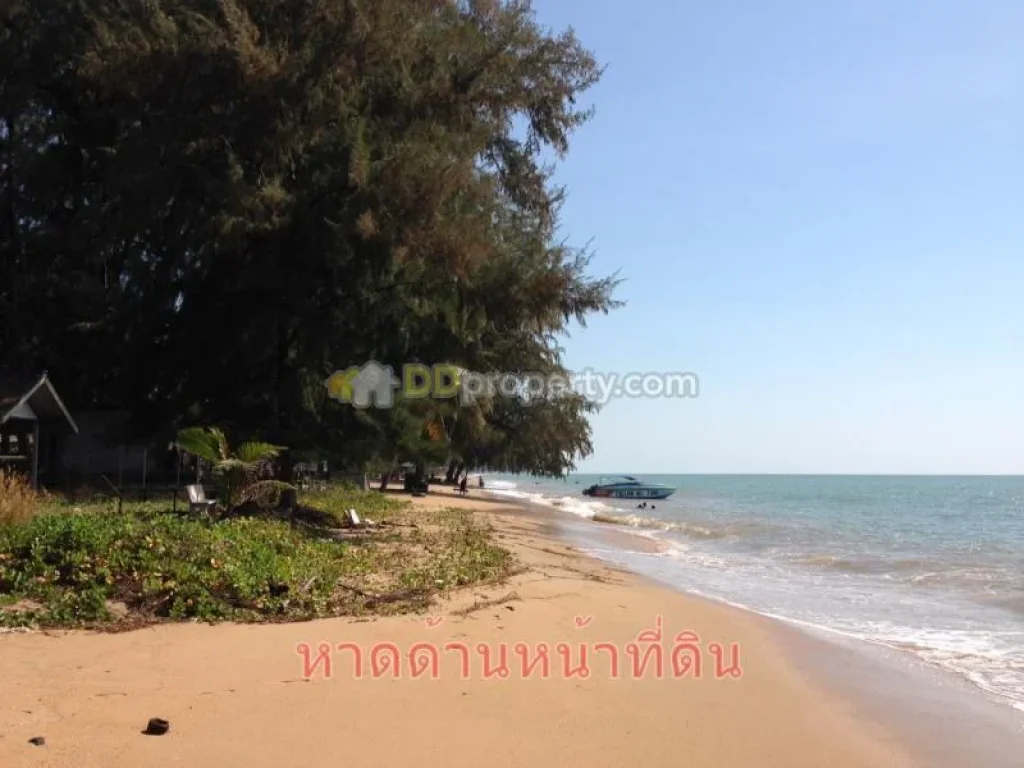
{"x": 157, "y": 727}
{"x": 18, "y": 630}
{"x": 483, "y": 604}
{"x": 37, "y": 741}
{"x": 24, "y": 606}
{"x": 117, "y": 609}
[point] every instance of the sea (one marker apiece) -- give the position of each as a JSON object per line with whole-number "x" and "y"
{"x": 931, "y": 566}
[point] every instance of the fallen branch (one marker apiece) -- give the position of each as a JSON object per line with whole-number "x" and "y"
{"x": 481, "y": 605}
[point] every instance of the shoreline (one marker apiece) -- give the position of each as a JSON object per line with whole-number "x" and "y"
{"x": 235, "y": 694}
{"x": 941, "y": 718}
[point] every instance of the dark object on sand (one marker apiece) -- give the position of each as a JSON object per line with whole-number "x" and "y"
{"x": 157, "y": 727}
{"x": 38, "y": 741}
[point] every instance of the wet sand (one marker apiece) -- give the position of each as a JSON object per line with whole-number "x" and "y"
{"x": 943, "y": 720}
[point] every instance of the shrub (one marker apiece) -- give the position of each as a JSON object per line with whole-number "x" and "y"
{"x": 19, "y": 501}
{"x": 69, "y": 567}
{"x": 337, "y": 497}
{"x": 242, "y": 474}
{"x": 167, "y": 566}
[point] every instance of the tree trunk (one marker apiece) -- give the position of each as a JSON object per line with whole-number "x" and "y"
{"x": 385, "y": 476}
{"x": 449, "y": 476}
{"x": 286, "y": 467}
{"x": 458, "y": 473}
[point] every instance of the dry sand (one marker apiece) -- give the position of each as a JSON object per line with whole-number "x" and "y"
{"x": 236, "y": 696}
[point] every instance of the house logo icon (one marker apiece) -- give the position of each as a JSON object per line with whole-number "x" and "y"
{"x": 362, "y": 386}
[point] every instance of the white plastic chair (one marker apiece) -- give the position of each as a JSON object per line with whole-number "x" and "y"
{"x": 197, "y": 499}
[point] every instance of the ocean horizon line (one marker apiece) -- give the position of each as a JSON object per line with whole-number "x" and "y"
{"x": 780, "y": 474}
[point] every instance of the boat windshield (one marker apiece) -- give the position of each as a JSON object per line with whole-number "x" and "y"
{"x": 618, "y": 480}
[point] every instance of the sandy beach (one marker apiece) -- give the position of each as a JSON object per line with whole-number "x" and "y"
{"x": 237, "y": 695}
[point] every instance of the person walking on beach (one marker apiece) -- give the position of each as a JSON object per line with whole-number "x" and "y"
{"x": 462, "y": 487}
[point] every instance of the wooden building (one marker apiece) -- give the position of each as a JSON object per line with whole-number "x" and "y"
{"x": 33, "y": 421}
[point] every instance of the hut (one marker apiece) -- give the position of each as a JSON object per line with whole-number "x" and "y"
{"x": 32, "y": 421}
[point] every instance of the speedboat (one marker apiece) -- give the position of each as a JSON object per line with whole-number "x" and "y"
{"x": 629, "y": 488}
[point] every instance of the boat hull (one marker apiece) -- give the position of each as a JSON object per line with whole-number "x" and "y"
{"x": 630, "y": 493}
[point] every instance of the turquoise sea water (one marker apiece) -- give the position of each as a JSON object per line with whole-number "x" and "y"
{"x": 930, "y": 565}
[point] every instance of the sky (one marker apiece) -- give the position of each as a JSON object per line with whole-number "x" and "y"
{"x": 818, "y": 209}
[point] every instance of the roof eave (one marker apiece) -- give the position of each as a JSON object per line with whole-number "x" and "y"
{"x": 44, "y": 380}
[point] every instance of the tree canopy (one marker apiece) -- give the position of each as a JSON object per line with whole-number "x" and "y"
{"x": 208, "y": 206}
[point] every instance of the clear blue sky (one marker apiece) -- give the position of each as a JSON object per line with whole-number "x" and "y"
{"x": 819, "y": 209}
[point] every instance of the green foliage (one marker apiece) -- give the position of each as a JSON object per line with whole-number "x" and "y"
{"x": 164, "y": 566}
{"x": 335, "y": 499}
{"x": 208, "y": 207}
{"x": 73, "y": 564}
{"x": 240, "y": 473}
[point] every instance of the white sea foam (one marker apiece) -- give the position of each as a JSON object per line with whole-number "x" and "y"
{"x": 990, "y": 658}
{"x": 915, "y": 600}
{"x": 574, "y": 506}
{"x": 499, "y": 485}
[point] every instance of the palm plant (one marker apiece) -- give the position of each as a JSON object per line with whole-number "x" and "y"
{"x": 242, "y": 475}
